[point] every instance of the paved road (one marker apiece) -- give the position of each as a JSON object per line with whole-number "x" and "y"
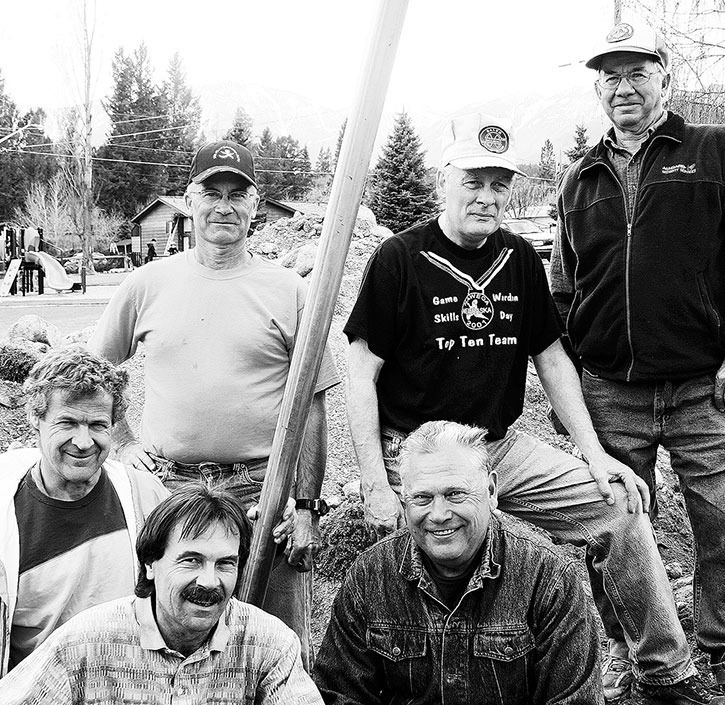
{"x": 69, "y": 317}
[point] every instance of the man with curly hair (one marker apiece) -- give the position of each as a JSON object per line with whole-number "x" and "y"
{"x": 68, "y": 516}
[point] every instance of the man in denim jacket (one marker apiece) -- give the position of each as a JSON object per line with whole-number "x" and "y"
{"x": 463, "y": 607}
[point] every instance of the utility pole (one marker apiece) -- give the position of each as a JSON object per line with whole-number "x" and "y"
{"x": 87, "y": 180}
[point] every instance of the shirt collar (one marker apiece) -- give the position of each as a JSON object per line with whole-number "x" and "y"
{"x": 610, "y": 138}
{"x": 412, "y": 568}
{"x": 152, "y": 640}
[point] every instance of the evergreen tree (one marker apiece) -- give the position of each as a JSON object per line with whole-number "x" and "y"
{"x": 264, "y": 152}
{"x": 127, "y": 171}
{"x": 303, "y": 182}
{"x": 241, "y": 131}
{"x": 324, "y": 161}
{"x": 581, "y": 147}
{"x": 338, "y": 146}
{"x": 17, "y": 170}
{"x": 547, "y": 163}
{"x": 400, "y": 192}
{"x": 184, "y": 114}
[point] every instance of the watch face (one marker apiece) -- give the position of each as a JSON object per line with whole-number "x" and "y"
{"x": 323, "y": 507}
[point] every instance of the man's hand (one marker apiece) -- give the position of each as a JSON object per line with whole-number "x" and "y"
{"x": 134, "y": 455}
{"x": 605, "y": 469}
{"x": 719, "y": 391}
{"x": 383, "y": 512}
{"x": 286, "y": 526}
{"x": 305, "y": 541}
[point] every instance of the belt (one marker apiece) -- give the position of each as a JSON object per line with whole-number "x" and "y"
{"x": 206, "y": 468}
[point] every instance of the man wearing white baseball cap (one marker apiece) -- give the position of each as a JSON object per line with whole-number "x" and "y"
{"x": 448, "y": 314}
{"x": 638, "y": 273}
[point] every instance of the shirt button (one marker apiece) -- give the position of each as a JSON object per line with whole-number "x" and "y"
{"x": 450, "y": 678}
{"x": 396, "y": 651}
{"x": 508, "y": 650}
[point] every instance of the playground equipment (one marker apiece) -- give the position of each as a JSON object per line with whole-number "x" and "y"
{"x": 24, "y": 257}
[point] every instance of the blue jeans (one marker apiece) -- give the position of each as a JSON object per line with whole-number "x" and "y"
{"x": 555, "y": 491}
{"x": 632, "y": 420}
{"x": 289, "y": 594}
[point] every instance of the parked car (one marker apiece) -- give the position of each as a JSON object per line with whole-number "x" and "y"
{"x": 540, "y": 238}
{"x": 73, "y": 264}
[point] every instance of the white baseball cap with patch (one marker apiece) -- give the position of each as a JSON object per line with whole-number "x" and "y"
{"x": 477, "y": 141}
{"x": 633, "y": 38}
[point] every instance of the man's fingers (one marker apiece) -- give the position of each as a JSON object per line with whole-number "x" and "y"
{"x": 719, "y": 392}
{"x": 605, "y": 489}
{"x": 643, "y": 492}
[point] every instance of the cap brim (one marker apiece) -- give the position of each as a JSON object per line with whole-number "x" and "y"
{"x": 221, "y": 170}
{"x": 594, "y": 62}
{"x": 484, "y": 162}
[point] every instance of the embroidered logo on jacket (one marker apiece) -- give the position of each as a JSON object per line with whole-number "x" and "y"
{"x": 690, "y": 169}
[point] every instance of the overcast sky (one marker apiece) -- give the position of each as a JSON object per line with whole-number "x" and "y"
{"x": 452, "y": 52}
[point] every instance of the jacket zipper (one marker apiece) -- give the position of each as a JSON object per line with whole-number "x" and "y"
{"x": 628, "y": 251}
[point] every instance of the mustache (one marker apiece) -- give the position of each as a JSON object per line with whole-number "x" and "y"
{"x": 202, "y": 595}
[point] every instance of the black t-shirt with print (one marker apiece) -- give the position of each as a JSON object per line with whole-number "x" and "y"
{"x": 455, "y": 327}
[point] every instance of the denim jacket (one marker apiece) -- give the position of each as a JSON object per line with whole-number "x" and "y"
{"x": 522, "y": 633}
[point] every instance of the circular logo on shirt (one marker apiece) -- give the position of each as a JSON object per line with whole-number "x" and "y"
{"x": 494, "y": 139}
{"x": 620, "y": 32}
{"x": 477, "y": 310}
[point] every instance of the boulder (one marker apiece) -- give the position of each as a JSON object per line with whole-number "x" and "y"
{"x": 79, "y": 336}
{"x": 34, "y": 329}
{"x": 11, "y": 394}
{"x": 306, "y": 259}
{"x": 17, "y": 357}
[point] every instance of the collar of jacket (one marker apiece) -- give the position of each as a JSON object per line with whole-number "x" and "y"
{"x": 412, "y": 568}
{"x": 673, "y": 128}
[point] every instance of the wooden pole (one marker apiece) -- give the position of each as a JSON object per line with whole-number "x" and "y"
{"x": 345, "y": 196}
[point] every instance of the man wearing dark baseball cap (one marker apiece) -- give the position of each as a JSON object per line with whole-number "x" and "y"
{"x": 637, "y": 273}
{"x": 218, "y": 326}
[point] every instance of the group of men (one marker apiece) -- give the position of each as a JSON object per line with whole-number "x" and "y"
{"x": 456, "y": 603}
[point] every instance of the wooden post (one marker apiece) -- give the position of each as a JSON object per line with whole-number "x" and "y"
{"x": 345, "y": 196}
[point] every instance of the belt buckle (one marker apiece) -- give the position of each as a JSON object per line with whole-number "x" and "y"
{"x": 209, "y": 469}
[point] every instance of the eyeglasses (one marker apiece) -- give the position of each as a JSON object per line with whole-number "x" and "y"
{"x": 236, "y": 198}
{"x": 636, "y": 78}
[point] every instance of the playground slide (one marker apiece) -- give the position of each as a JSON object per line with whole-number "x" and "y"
{"x": 55, "y": 276}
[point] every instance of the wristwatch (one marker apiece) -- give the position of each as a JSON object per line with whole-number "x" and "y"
{"x": 319, "y": 506}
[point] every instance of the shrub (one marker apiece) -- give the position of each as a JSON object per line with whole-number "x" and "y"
{"x": 343, "y": 538}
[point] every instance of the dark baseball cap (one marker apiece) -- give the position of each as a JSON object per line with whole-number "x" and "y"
{"x": 219, "y": 157}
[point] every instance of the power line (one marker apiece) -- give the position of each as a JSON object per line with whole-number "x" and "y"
{"x": 149, "y": 132}
{"x": 167, "y": 164}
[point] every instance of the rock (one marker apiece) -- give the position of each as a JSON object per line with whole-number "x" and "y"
{"x": 15, "y": 445}
{"x": 306, "y": 259}
{"x": 351, "y": 489}
{"x": 34, "y": 329}
{"x": 78, "y": 336}
{"x": 11, "y": 394}
{"x": 674, "y": 570}
{"x": 268, "y": 248}
{"x": 289, "y": 259}
{"x": 17, "y": 357}
{"x": 381, "y": 232}
{"x": 334, "y": 501}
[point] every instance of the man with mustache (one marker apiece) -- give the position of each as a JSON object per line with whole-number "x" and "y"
{"x": 183, "y": 636}
{"x": 638, "y": 274}
{"x": 68, "y": 516}
{"x": 218, "y": 326}
{"x": 417, "y": 354}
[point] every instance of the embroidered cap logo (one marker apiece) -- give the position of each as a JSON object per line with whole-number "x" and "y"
{"x": 226, "y": 152}
{"x": 620, "y": 32}
{"x": 493, "y": 139}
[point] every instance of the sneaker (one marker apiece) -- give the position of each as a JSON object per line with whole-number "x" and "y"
{"x": 690, "y": 691}
{"x": 617, "y": 678}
